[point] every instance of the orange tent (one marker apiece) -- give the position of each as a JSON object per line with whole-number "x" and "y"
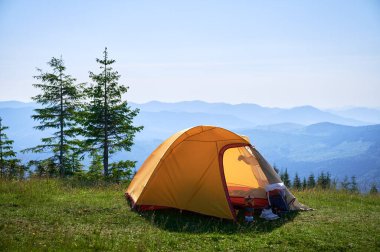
{"x": 204, "y": 169}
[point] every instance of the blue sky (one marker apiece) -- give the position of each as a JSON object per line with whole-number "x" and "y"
{"x": 273, "y": 53}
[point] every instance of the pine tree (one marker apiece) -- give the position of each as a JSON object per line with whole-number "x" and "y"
{"x": 43, "y": 168}
{"x": 345, "y": 184}
{"x": 373, "y": 189}
{"x": 8, "y": 161}
{"x": 16, "y": 169}
{"x": 328, "y": 181}
{"x": 297, "y": 182}
{"x": 59, "y": 99}
{"x": 321, "y": 180}
{"x": 304, "y": 184}
{"x": 354, "y": 186}
{"x": 334, "y": 184}
{"x": 286, "y": 179}
{"x": 107, "y": 118}
{"x": 74, "y": 161}
{"x": 95, "y": 170}
{"x": 324, "y": 181}
{"x": 311, "y": 181}
{"x": 121, "y": 170}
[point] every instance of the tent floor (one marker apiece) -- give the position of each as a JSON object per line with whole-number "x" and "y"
{"x": 237, "y": 195}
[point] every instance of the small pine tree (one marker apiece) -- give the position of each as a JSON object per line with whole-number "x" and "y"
{"x": 311, "y": 181}
{"x": 74, "y": 158}
{"x": 304, "y": 184}
{"x": 286, "y": 179}
{"x": 320, "y": 180}
{"x": 324, "y": 180}
{"x": 9, "y": 165}
{"x": 328, "y": 181}
{"x": 345, "y": 184}
{"x": 373, "y": 189}
{"x": 121, "y": 170}
{"x": 354, "y": 186}
{"x": 43, "y": 168}
{"x": 297, "y": 182}
{"x": 95, "y": 169}
{"x": 16, "y": 169}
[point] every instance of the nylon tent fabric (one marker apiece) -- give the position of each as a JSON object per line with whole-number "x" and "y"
{"x": 249, "y": 176}
{"x": 141, "y": 178}
{"x": 195, "y": 170}
{"x": 273, "y": 178}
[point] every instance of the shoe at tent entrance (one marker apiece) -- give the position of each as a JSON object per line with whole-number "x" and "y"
{"x": 207, "y": 170}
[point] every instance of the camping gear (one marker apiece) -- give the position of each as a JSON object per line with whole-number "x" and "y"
{"x": 249, "y": 209}
{"x": 249, "y": 218}
{"x": 277, "y": 197}
{"x": 205, "y": 169}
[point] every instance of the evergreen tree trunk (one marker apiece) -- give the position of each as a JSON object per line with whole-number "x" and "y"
{"x": 61, "y": 165}
{"x": 105, "y": 144}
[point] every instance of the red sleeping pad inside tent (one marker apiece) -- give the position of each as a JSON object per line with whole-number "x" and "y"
{"x": 238, "y": 193}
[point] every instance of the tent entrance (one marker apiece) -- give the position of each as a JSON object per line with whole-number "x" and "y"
{"x": 244, "y": 176}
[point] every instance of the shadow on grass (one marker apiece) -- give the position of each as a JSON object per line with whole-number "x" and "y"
{"x": 174, "y": 221}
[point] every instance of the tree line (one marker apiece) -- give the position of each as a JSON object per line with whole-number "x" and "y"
{"x": 87, "y": 120}
{"x": 322, "y": 181}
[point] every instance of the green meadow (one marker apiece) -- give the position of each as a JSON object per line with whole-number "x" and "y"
{"x": 65, "y": 215}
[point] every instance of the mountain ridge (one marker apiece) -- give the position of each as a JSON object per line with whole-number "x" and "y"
{"x": 261, "y": 114}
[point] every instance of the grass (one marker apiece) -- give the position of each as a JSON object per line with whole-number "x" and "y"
{"x": 62, "y": 215}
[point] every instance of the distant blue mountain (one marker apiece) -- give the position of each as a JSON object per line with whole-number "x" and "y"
{"x": 340, "y": 150}
{"x": 302, "y": 139}
{"x": 369, "y": 115}
{"x": 253, "y": 113}
{"x": 163, "y": 124}
{"x": 17, "y": 104}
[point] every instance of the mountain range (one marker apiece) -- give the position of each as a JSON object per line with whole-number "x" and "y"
{"x": 259, "y": 115}
{"x": 301, "y": 139}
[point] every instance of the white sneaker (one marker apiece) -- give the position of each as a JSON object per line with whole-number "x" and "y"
{"x": 265, "y": 213}
{"x": 268, "y": 214}
{"x": 273, "y": 217}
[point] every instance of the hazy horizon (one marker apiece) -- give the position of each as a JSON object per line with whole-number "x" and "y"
{"x": 252, "y": 103}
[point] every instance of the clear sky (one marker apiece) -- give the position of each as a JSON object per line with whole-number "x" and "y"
{"x": 273, "y": 53}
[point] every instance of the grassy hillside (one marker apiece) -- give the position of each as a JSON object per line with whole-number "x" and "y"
{"x": 57, "y": 215}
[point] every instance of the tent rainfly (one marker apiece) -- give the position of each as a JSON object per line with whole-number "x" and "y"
{"x": 205, "y": 169}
